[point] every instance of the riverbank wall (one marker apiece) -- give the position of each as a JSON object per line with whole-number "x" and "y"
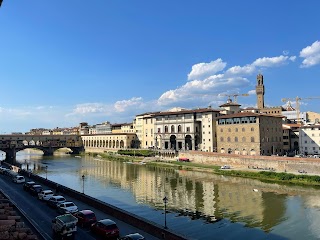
{"x": 148, "y": 226}
{"x": 241, "y": 162}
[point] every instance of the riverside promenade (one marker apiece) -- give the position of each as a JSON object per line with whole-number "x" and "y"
{"x": 154, "y": 229}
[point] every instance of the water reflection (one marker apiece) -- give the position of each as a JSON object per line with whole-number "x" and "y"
{"x": 195, "y": 195}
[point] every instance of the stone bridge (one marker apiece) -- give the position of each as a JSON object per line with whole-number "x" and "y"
{"x": 11, "y": 144}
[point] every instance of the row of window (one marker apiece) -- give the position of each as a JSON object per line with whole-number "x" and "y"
{"x": 241, "y": 120}
{"x": 313, "y": 135}
{"x": 313, "y": 148}
{"x": 310, "y": 141}
{"x": 236, "y": 139}
{"x": 236, "y": 129}
{"x": 166, "y": 129}
{"x": 252, "y": 139}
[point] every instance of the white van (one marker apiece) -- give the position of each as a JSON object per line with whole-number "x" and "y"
{"x": 225, "y": 167}
{"x": 18, "y": 179}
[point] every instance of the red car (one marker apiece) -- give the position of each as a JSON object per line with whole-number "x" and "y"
{"x": 105, "y": 228}
{"x": 85, "y": 218}
{"x": 184, "y": 159}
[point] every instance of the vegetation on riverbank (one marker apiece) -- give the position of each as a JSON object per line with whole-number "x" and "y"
{"x": 268, "y": 176}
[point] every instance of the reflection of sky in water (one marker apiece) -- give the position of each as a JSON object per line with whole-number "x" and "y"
{"x": 139, "y": 189}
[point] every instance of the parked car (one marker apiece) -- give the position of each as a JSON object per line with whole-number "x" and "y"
{"x": 45, "y": 195}
{"x": 132, "y": 236}
{"x": 85, "y": 218}
{"x": 225, "y": 167}
{"x": 55, "y": 200}
{"x": 28, "y": 185}
{"x": 67, "y": 207}
{"x": 18, "y": 179}
{"x": 35, "y": 189}
{"x": 105, "y": 228}
{"x": 183, "y": 159}
{"x": 3, "y": 170}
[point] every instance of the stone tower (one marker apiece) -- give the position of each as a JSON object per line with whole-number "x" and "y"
{"x": 260, "y": 92}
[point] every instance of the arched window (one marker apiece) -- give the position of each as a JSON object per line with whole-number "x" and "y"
{"x": 229, "y": 129}
{"x": 179, "y": 129}
{"x": 166, "y": 129}
{"x": 243, "y": 130}
{"x": 221, "y": 139}
{"x": 252, "y": 129}
{"x": 172, "y": 129}
{"x": 236, "y": 139}
{"x": 236, "y": 129}
{"x": 228, "y": 139}
{"x": 221, "y": 130}
{"x": 252, "y": 139}
{"x": 243, "y": 139}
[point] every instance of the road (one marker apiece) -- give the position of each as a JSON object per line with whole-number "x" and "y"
{"x": 41, "y": 215}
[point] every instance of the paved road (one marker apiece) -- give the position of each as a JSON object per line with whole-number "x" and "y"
{"x": 41, "y": 215}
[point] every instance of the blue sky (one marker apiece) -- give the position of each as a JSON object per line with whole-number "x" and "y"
{"x": 66, "y": 62}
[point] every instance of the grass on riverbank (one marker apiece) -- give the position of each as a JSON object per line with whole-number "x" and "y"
{"x": 279, "y": 177}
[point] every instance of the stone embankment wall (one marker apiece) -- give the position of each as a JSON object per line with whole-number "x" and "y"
{"x": 241, "y": 162}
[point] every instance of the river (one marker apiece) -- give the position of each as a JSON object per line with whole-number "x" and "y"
{"x": 200, "y": 205}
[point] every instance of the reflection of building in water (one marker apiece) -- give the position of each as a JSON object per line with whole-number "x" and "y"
{"x": 198, "y": 195}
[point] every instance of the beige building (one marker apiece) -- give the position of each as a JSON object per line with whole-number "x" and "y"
{"x": 123, "y": 128}
{"x": 144, "y": 128}
{"x": 112, "y": 141}
{"x": 313, "y": 117}
{"x": 248, "y": 133}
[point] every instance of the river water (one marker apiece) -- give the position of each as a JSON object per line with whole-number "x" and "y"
{"x": 200, "y": 205}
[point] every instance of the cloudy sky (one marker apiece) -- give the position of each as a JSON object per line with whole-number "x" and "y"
{"x": 66, "y": 62}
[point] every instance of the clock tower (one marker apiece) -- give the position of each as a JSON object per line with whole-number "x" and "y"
{"x": 260, "y": 91}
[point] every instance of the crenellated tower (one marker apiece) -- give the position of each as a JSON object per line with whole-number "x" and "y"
{"x": 260, "y": 91}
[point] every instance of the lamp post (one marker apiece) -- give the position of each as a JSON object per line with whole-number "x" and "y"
{"x": 83, "y": 184}
{"x": 46, "y": 172}
{"x": 165, "y": 200}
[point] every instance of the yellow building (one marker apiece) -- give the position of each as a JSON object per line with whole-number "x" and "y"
{"x": 112, "y": 141}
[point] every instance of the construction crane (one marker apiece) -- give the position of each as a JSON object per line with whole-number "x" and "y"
{"x": 297, "y": 100}
{"x": 234, "y": 95}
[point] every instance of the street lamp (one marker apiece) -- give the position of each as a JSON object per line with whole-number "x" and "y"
{"x": 83, "y": 184}
{"x": 46, "y": 172}
{"x": 165, "y": 200}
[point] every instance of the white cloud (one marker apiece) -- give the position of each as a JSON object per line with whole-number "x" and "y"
{"x": 311, "y": 55}
{"x": 205, "y": 84}
{"x": 203, "y": 70}
{"x": 86, "y": 108}
{"x": 238, "y": 70}
{"x": 272, "y": 61}
{"x": 121, "y": 106}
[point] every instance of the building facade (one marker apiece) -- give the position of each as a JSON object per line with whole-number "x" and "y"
{"x": 112, "y": 141}
{"x": 309, "y": 139}
{"x": 186, "y": 129}
{"x": 248, "y": 133}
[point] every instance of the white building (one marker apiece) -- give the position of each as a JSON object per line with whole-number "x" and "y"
{"x": 309, "y": 139}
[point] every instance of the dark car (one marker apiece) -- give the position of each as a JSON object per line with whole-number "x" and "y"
{"x": 54, "y": 201}
{"x": 105, "y": 228}
{"x": 28, "y": 185}
{"x": 132, "y": 236}
{"x": 35, "y": 189}
{"x": 85, "y": 218}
